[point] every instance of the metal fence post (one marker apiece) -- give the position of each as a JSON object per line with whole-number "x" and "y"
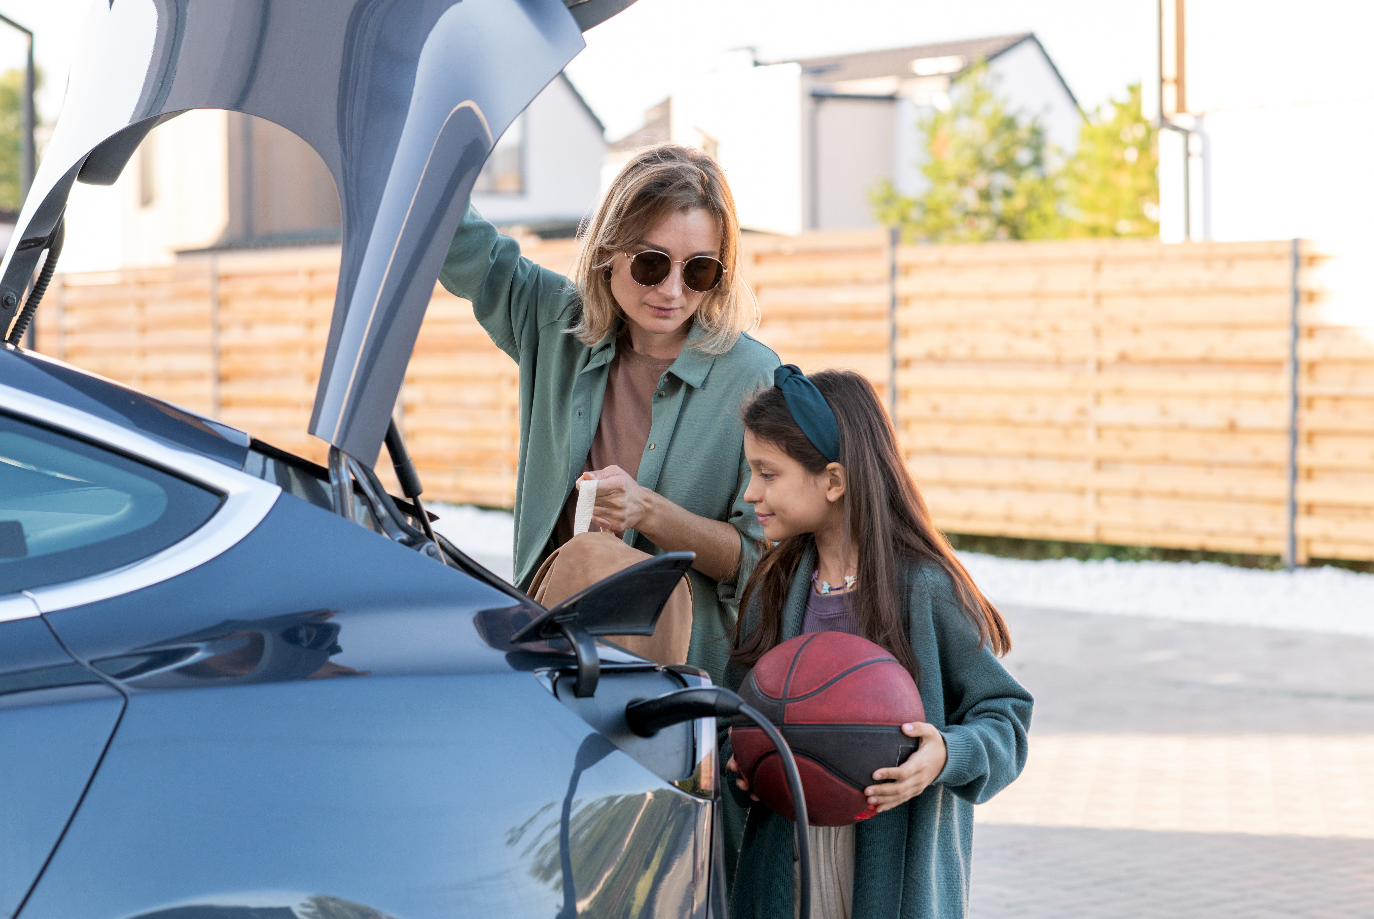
{"x": 1290, "y": 544}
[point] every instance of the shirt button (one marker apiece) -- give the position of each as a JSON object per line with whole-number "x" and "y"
{"x": 660, "y": 394}
{"x": 651, "y": 446}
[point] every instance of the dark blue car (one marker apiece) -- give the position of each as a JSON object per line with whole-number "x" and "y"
{"x": 238, "y": 685}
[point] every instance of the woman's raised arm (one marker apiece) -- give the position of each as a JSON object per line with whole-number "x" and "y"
{"x": 511, "y": 296}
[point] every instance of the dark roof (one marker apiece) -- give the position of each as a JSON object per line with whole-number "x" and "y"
{"x": 657, "y": 128}
{"x": 896, "y": 62}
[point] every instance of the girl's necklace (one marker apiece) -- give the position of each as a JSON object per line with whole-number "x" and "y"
{"x": 824, "y": 587}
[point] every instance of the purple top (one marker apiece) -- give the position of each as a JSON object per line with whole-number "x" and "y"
{"x": 830, "y": 613}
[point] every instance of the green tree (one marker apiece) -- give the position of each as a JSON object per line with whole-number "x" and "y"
{"x": 990, "y": 172}
{"x": 1112, "y": 184}
{"x": 11, "y": 138}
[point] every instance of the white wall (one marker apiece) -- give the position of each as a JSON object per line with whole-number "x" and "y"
{"x": 754, "y": 115}
{"x": 1284, "y": 102}
{"x": 563, "y": 151}
{"x": 854, "y": 149}
{"x": 109, "y": 227}
{"x": 1029, "y": 82}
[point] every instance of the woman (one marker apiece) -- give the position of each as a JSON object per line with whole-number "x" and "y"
{"x": 633, "y": 371}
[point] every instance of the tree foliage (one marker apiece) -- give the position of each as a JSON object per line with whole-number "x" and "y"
{"x": 11, "y": 138}
{"x": 1111, "y": 184}
{"x": 990, "y": 172}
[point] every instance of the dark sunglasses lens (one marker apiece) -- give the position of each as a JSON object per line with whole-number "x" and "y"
{"x": 650, "y": 268}
{"x": 701, "y": 273}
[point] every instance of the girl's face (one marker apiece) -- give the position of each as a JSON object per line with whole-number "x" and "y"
{"x": 665, "y": 309}
{"x": 789, "y": 500}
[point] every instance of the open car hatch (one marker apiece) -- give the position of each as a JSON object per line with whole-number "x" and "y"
{"x": 402, "y": 99}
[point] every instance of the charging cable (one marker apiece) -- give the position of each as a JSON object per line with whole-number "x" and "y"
{"x": 649, "y": 716}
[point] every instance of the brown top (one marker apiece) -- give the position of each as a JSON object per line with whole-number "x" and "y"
{"x": 627, "y": 413}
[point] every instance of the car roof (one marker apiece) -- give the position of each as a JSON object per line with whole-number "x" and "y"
{"x": 105, "y": 399}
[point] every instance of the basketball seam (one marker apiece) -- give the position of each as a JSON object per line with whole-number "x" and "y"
{"x": 787, "y": 683}
{"x": 831, "y": 682}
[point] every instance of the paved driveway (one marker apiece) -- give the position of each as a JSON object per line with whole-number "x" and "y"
{"x": 1184, "y": 770}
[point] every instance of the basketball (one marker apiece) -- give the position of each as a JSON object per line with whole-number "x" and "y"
{"x": 840, "y": 702}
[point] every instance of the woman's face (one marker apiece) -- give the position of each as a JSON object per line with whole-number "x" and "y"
{"x": 664, "y": 310}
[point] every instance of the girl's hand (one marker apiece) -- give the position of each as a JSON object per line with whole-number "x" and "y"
{"x": 913, "y": 776}
{"x": 621, "y": 502}
{"x": 732, "y": 766}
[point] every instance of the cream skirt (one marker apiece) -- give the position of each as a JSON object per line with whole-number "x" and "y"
{"x": 832, "y": 872}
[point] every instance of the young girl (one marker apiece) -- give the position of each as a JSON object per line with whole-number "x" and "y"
{"x": 855, "y": 551}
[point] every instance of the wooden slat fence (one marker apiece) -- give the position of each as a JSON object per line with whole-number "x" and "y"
{"x": 1115, "y": 391}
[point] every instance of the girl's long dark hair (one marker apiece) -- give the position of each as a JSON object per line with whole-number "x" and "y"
{"x": 887, "y": 519}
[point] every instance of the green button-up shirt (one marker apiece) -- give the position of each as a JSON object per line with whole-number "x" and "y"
{"x": 695, "y": 453}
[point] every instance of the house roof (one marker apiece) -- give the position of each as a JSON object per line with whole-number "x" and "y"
{"x": 897, "y": 62}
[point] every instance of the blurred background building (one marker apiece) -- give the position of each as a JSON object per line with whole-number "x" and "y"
{"x": 1271, "y": 114}
{"x": 804, "y": 141}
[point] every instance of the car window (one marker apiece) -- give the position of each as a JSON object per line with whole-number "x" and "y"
{"x": 70, "y": 509}
{"x": 305, "y": 481}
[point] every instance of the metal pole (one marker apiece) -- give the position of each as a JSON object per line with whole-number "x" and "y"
{"x": 1290, "y": 543}
{"x": 28, "y": 160}
{"x": 28, "y": 150}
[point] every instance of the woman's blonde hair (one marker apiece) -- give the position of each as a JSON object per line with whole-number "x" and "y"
{"x": 658, "y": 182}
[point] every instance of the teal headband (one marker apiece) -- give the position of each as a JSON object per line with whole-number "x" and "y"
{"x": 810, "y": 410}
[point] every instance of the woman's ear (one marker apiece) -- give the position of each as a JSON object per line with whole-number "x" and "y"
{"x": 835, "y": 482}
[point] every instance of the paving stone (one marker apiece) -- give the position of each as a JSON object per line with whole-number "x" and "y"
{"x": 1156, "y": 740}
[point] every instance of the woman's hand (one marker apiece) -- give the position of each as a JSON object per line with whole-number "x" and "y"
{"x": 904, "y": 782}
{"x": 621, "y": 502}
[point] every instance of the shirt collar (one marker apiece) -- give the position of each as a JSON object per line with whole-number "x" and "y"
{"x": 692, "y": 363}
{"x": 691, "y": 366}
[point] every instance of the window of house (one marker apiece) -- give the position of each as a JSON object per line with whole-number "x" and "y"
{"x": 504, "y": 172}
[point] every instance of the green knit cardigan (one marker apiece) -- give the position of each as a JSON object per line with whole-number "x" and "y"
{"x": 914, "y": 860}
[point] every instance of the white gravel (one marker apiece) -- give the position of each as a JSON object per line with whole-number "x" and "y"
{"x": 486, "y": 536}
{"x": 1310, "y": 599}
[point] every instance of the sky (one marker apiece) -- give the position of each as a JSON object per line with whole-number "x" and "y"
{"x": 637, "y": 58}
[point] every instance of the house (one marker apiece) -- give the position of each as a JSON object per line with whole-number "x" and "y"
{"x": 213, "y": 179}
{"x": 802, "y": 141}
{"x": 1268, "y": 118}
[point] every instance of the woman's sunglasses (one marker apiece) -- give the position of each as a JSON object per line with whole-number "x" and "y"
{"x": 651, "y": 268}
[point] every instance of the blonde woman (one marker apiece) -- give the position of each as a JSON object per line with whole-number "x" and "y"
{"x": 632, "y": 371}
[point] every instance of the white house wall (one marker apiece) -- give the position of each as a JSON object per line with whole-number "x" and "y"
{"x": 853, "y": 150}
{"x": 563, "y": 151}
{"x": 1286, "y": 171}
{"x": 1026, "y": 77}
{"x": 110, "y": 227}
{"x": 1282, "y": 99}
{"x": 753, "y": 116}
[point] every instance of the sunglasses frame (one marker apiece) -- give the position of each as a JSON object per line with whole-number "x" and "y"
{"x": 720, "y": 276}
